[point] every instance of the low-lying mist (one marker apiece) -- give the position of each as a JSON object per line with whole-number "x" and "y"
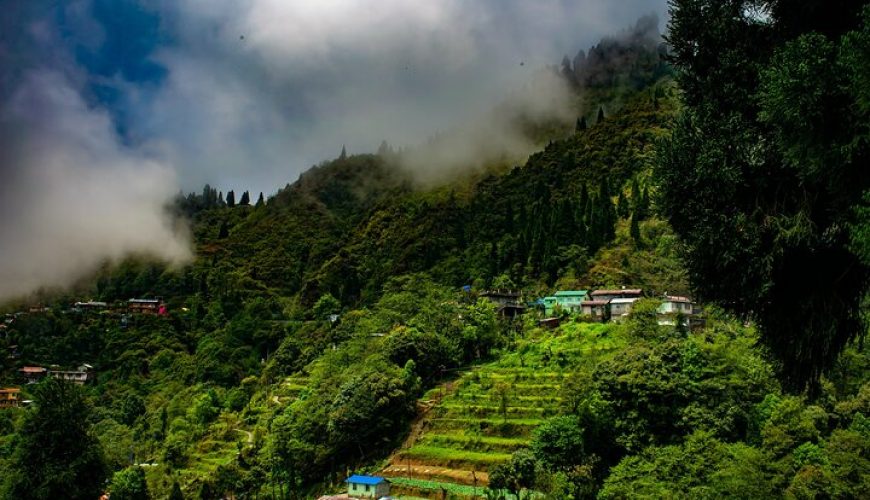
{"x": 502, "y": 136}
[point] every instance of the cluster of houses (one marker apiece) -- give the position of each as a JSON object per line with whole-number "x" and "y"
{"x": 598, "y": 305}
{"x": 80, "y": 376}
{"x": 132, "y": 306}
{"x": 614, "y": 304}
{"x": 10, "y": 397}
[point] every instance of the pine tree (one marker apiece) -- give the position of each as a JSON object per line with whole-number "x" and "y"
{"x": 246, "y": 199}
{"x": 206, "y": 196}
{"x": 634, "y": 230}
{"x": 231, "y": 198}
{"x": 600, "y": 114}
{"x": 221, "y": 202}
{"x": 644, "y": 204}
{"x": 343, "y": 155}
{"x": 607, "y": 211}
{"x": 636, "y": 197}
{"x": 260, "y": 200}
{"x": 581, "y": 124}
{"x": 176, "y": 493}
{"x": 622, "y": 209}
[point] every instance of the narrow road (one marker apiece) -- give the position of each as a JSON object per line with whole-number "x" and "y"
{"x": 250, "y": 438}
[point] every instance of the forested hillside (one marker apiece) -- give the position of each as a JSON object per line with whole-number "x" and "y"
{"x": 342, "y": 325}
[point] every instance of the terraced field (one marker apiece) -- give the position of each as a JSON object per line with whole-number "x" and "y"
{"x": 291, "y": 388}
{"x": 492, "y": 410}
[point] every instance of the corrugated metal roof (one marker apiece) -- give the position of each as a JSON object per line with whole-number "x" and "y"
{"x": 623, "y": 300}
{"x": 624, "y": 291}
{"x": 33, "y": 369}
{"x": 677, "y": 298}
{"x": 372, "y": 480}
{"x": 571, "y": 293}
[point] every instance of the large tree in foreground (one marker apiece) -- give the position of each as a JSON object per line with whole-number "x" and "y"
{"x": 764, "y": 174}
{"x": 57, "y": 456}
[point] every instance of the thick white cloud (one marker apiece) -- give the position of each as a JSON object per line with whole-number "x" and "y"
{"x": 75, "y": 196}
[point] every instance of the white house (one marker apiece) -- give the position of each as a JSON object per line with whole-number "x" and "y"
{"x": 620, "y": 307}
{"x": 671, "y": 306}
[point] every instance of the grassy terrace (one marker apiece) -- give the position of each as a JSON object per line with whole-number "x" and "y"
{"x": 473, "y": 442}
{"x": 492, "y": 410}
{"x": 454, "y": 457}
{"x": 290, "y": 389}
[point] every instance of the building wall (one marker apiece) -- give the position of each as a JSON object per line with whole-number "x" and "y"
{"x": 568, "y": 303}
{"x": 375, "y": 491}
{"x": 673, "y": 307}
{"x": 9, "y": 399}
{"x": 383, "y": 490}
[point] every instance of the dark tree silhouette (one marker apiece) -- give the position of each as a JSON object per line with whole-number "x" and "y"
{"x": 56, "y": 455}
{"x": 761, "y": 194}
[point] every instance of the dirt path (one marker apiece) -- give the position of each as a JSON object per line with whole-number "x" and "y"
{"x": 396, "y": 466}
{"x": 437, "y": 473}
{"x": 419, "y": 423}
{"x": 249, "y": 434}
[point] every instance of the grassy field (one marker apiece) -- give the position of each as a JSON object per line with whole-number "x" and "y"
{"x": 492, "y": 410}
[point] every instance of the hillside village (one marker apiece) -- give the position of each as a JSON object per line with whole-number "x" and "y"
{"x": 601, "y": 305}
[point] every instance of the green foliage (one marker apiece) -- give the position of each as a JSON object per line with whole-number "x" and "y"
{"x": 205, "y": 409}
{"x": 515, "y": 476}
{"x": 56, "y": 455}
{"x": 702, "y": 467}
{"x": 129, "y": 484}
{"x": 762, "y": 177}
{"x": 367, "y": 407}
{"x": 325, "y": 306}
{"x": 558, "y": 444}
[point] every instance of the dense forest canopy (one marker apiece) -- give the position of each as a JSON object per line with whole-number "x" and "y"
{"x": 764, "y": 178}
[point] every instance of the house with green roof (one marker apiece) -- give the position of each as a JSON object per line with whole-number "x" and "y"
{"x": 567, "y": 300}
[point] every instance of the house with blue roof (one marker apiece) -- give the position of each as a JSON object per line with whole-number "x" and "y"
{"x": 367, "y": 487}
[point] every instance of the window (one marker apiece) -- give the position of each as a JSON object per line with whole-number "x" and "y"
{"x": 367, "y": 487}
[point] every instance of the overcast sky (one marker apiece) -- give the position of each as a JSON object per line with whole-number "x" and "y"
{"x": 124, "y": 102}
